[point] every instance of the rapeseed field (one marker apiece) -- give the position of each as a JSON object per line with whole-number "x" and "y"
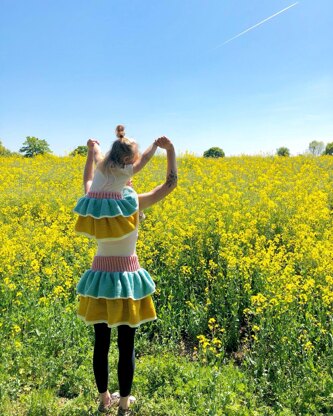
{"x": 242, "y": 257}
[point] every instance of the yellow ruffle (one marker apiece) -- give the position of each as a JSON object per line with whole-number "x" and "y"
{"x": 116, "y": 311}
{"x": 107, "y": 227}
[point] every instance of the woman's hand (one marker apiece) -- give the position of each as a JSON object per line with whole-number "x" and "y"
{"x": 164, "y": 143}
{"x": 161, "y": 191}
{"x": 91, "y": 144}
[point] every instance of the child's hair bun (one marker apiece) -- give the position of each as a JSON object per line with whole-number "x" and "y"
{"x": 121, "y": 148}
{"x": 120, "y": 131}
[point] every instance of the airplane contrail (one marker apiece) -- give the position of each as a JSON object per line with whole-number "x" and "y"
{"x": 256, "y": 25}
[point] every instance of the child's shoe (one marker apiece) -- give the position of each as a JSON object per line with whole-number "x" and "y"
{"x": 142, "y": 216}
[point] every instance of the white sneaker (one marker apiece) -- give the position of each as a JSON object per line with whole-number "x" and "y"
{"x": 116, "y": 395}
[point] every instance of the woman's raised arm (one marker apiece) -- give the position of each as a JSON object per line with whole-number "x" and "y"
{"x": 161, "y": 191}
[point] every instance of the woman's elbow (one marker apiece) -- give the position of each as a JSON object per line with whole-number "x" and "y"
{"x": 170, "y": 187}
{"x": 171, "y": 181}
{"x": 174, "y": 184}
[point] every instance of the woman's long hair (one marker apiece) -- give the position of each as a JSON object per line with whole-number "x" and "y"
{"x": 121, "y": 148}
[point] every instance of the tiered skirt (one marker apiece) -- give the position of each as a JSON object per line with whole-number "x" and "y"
{"x": 107, "y": 216}
{"x": 117, "y": 291}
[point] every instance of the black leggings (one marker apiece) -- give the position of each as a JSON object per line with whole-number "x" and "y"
{"x": 126, "y": 362}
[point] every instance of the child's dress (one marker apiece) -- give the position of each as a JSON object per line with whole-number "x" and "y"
{"x": 115, "y": 290}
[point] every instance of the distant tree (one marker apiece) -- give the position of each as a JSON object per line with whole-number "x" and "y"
{"x": 329, "y": 149}
{"x": 316, "y": 148}
{"x": 34, "y": 146}
{"x": 80, "y": 150}
{"x": 214, "y": 152}
{"x": 283, "y": 151}
{"x": 3, "y": 150}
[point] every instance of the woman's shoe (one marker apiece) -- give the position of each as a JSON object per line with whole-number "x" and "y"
{"x": 105, "y": 408}
{"x": 124, "y": 412}
{"x": 114, "y": 401}
{"x": 116, "y": 395}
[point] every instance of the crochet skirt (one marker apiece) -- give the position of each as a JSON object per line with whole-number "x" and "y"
{"x": 117, "y": 291}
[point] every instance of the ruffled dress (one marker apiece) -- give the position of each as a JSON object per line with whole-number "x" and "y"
{"x": 115, "y": 289}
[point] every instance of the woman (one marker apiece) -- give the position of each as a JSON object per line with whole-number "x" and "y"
{"x": 116, "y": 291}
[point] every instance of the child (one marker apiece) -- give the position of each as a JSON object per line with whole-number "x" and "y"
{"x": 113, "y": 172}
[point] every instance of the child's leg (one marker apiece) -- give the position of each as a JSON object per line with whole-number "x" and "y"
{"x": 141, "y": 213}
{"x": 126, "y": 363}
{"x": 100, "y": 357}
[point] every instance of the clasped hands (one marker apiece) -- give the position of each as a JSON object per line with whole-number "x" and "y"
{"x": 162, "y": 142}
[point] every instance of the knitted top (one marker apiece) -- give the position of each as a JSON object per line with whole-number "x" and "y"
{"x": 113, "y": 180}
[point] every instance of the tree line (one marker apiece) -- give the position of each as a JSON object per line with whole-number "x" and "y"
{"x": 34, "y": 146}
{"x": 316, "y": 148}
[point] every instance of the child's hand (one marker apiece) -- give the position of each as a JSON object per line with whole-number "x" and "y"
{"x": 92, "y": 144}
{"x": 164, "y": 143}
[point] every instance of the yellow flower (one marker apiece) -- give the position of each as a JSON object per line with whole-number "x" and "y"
{"x": 308, "y": 346}
{"x": 58, "y": 290}
{"x": 18, "y": 344}
{"x": 16, "y": 329}
{"x": 42, "y": 300}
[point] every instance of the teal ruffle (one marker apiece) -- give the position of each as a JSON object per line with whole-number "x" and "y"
{"x": 107, "y": 207}
{"x": 111, "y": 285}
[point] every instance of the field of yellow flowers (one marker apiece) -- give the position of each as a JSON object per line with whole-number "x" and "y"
{"x": 241, "y": 254}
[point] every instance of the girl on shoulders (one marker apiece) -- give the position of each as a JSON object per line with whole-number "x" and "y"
{"x": 122, "y": 161}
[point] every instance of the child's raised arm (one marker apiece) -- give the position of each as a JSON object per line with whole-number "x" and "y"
{"x": 93, "y": 155}
{"x": 98, "y": 156}
{"x": 145, "y": 157}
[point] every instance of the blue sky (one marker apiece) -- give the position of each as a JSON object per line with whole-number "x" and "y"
{"x": 71, "y": 70}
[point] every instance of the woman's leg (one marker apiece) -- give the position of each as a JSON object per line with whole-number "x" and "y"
{"x": 126, "y": 362}
{"x": 100, "y": 357}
